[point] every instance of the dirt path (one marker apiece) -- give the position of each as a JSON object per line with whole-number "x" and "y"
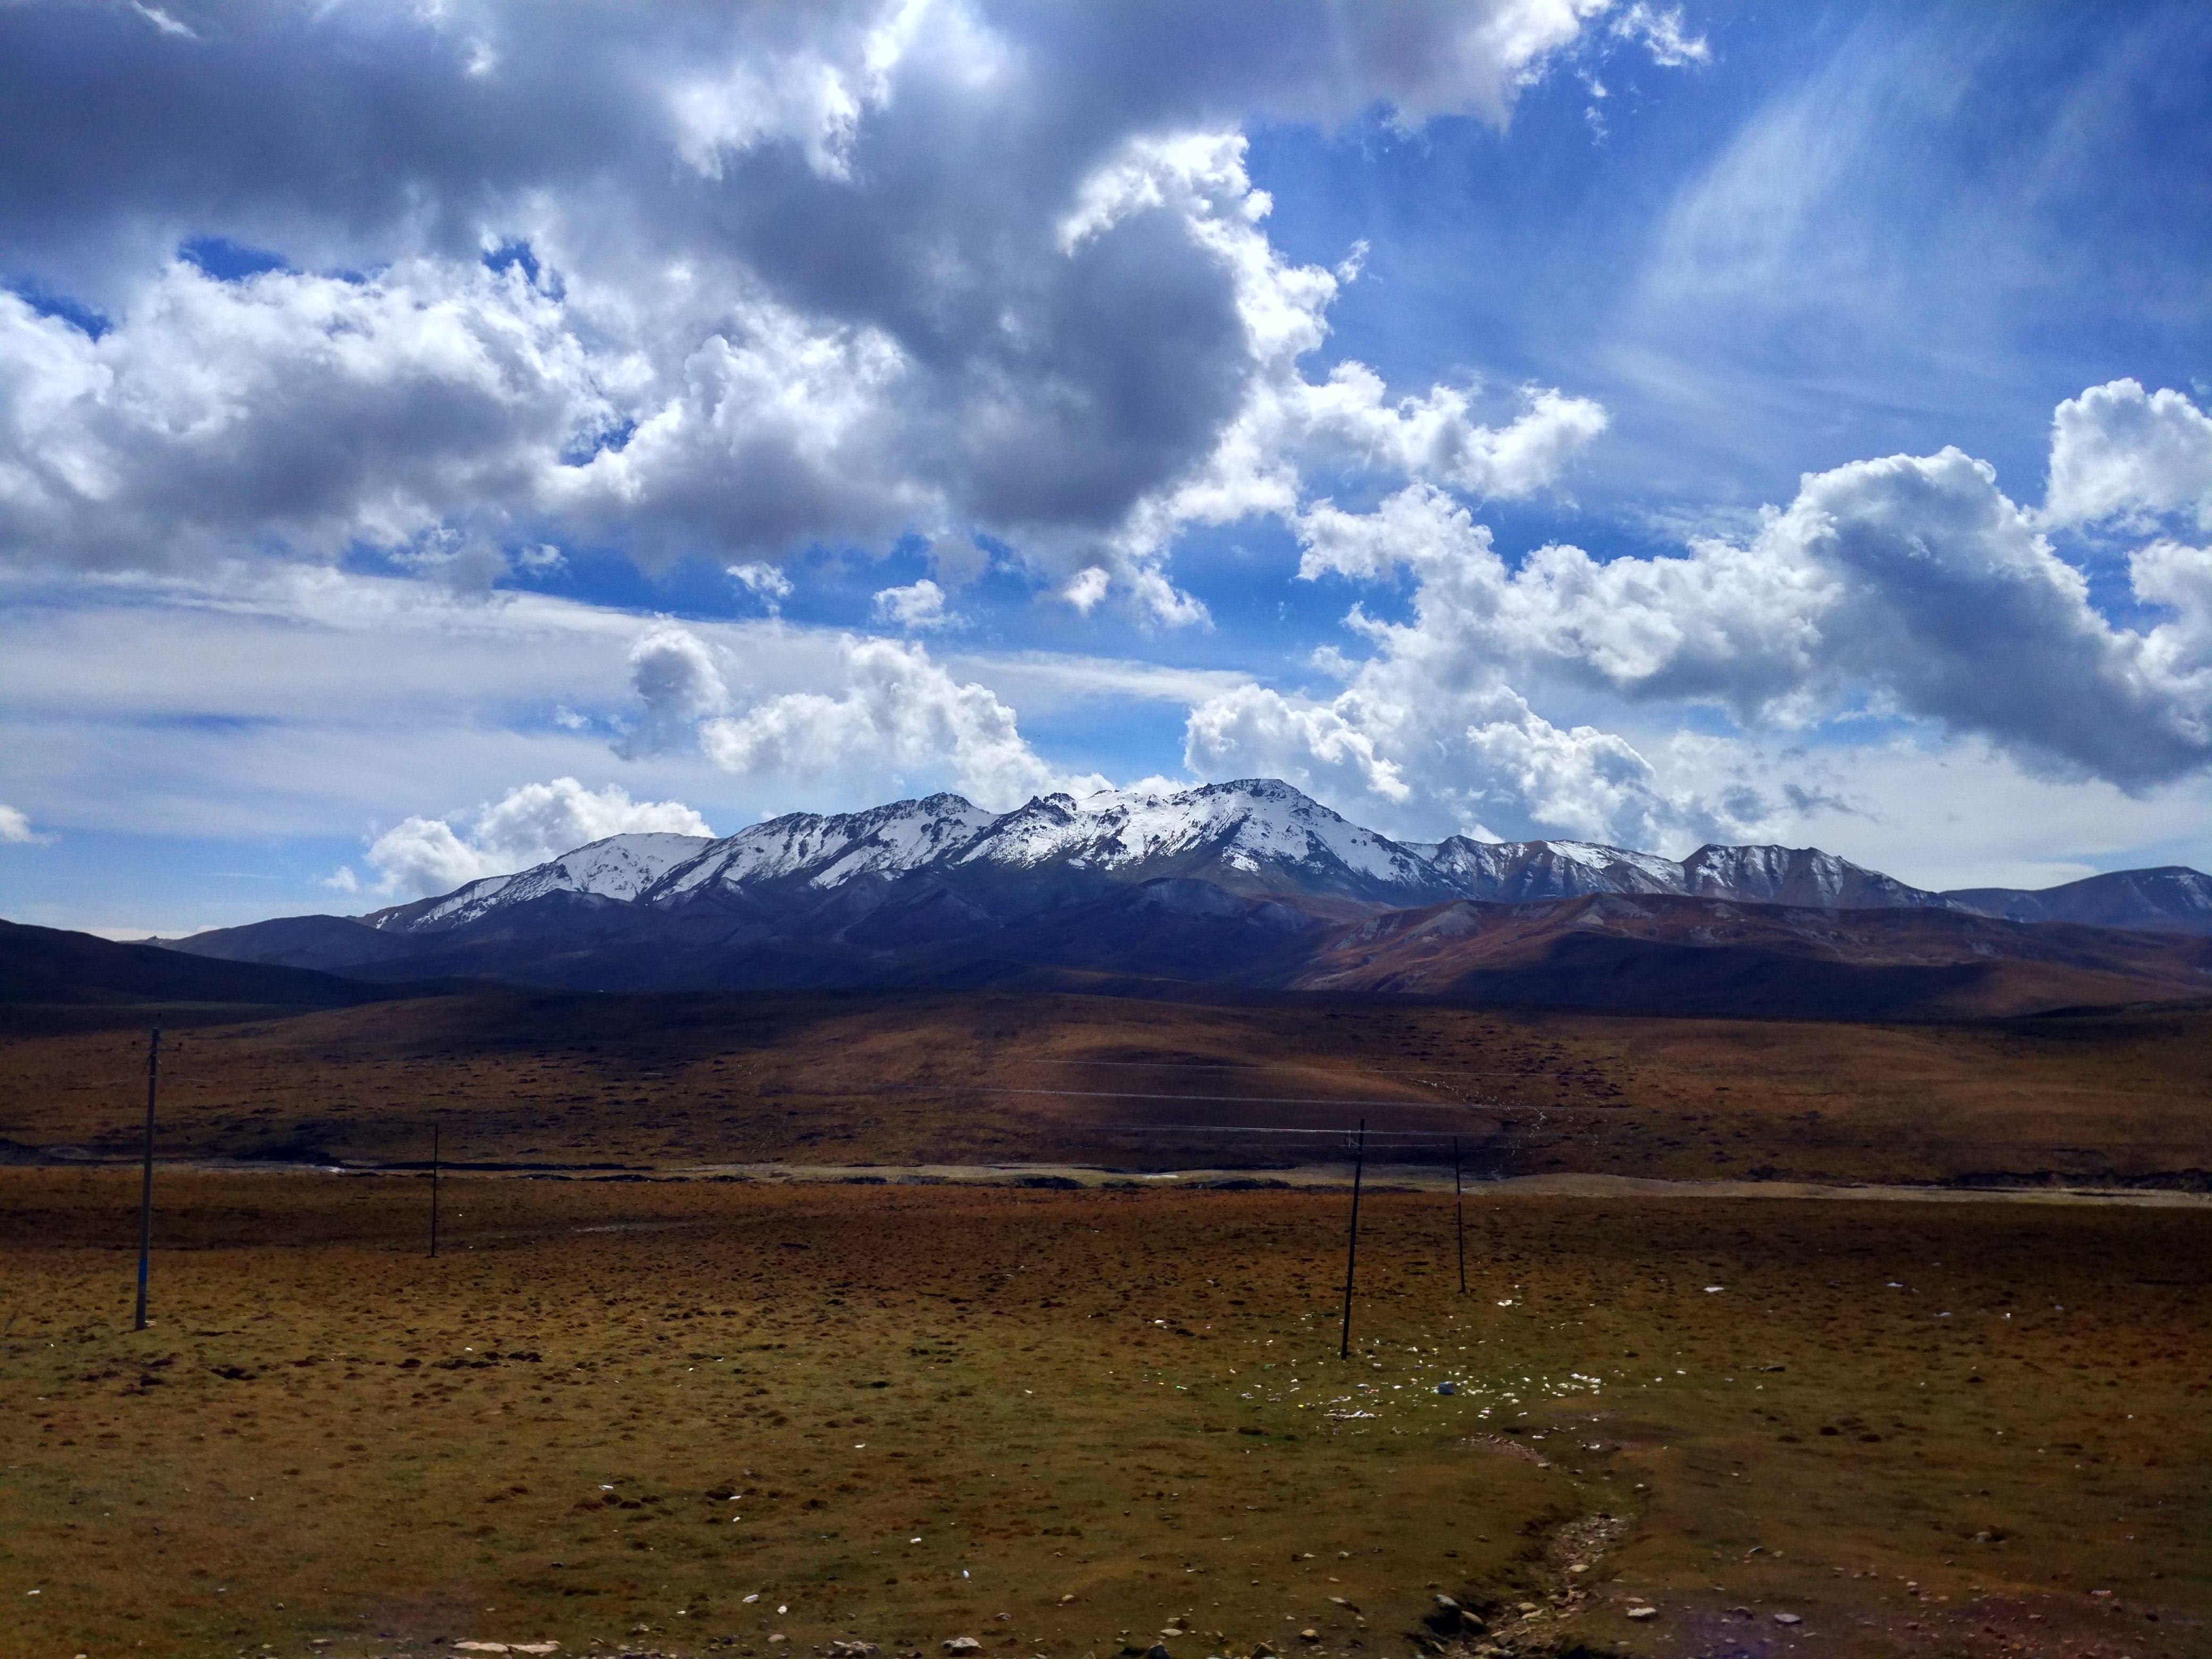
{"x": 1428, "y": 1178}
{"x": 1383, "y": 1178}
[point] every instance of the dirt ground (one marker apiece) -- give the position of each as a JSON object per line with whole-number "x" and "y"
{"x": 647, "y": 1083}
{"x": 698, "y": 1417}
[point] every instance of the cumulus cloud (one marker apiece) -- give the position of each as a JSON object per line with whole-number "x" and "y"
{"x": 528, "y": 825}
{"x": 1906, "y": 586}
{"x": 897, "y": 713}
{"x": 1289, "y": 429}
{"x": 674, "y": 675}
{"x": 16, "y": 828}
{"x": 917, "y": 607}
{"x": 1428, "y": 732}
{"x": 2119, "y": 453}
{"x": 703, "y": 281}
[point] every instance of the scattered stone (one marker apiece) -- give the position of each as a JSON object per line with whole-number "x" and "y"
{"x": 1787, "y": 1618}
{"x": 1262, "y": 1650}
{"x": 480, "y": 1647}
{"x": 1309, "y": 1635}
{"x": 1159, "y": 1650}
{"x": 960, "y": 1644}
{"x": 1644, "y": 1613}
{"x": 1447, "y": 1388}
{"x": 851, "y": 1649}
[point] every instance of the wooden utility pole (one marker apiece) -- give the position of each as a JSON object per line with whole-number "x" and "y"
{"x": 435, "y": 1127}
{"x": 1459, "y": 1215}
{"x": 1352, "y": 1247}
{"x": 146, "y": 1187}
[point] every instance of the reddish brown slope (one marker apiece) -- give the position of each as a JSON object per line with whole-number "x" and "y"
{"x": 1697, "y": 956}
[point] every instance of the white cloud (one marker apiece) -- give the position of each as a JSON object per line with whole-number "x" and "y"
{"x": 528, "y": 825}
{"x": 306, "y": 412}
{"x": 674, "y": 676}
{"x": 712, "y": 329}
{"x": 1086, "y": 588}
{"x": 1660, "y": 32}
{"x": 2119, "y": 453}
{"x": 1289, "y": 427}
{"x": 1908, "y": 587}
{"x": 918, "y": 606}
{"x": 16, "y": 828}
{"x": 342, "y": 880}
{"x": 897, "y": 715}
{"x": 763, "y": 580}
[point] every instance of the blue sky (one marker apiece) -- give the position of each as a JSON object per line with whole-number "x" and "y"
{"x": 431, "y": 440}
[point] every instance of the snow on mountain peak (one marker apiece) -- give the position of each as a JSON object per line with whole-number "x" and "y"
{"x": 1249, "y": 825}
{"x": 1255, "y": 835}
{"x": 618, "y": 868}
{"x": 883, "y": 840}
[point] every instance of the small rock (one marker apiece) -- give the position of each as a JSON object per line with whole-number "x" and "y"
{"x": 1644, "y": 1613}
{"x": 1159, "y": 1650}
{"x": 1309, "y": 1635}
{"x": 1787, "y": 1618}
{"x": 1447, "y": 1388}
{"x": 851, "y": 1649}
{"x": 1445, "y": 1604}
{"x": 1262, "y": 1650}
{"x": 1578, "y": 1566}
{"x": 958, "y": 1645}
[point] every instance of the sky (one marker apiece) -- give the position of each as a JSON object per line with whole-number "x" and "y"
{"x": 436, "y": 435}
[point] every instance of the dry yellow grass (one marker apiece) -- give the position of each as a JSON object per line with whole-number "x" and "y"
{"x": 833, "y": 1079}
{"x": 1130, "y": 1399}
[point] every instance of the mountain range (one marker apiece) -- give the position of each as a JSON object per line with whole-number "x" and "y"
{"x": 1253, "y": 887}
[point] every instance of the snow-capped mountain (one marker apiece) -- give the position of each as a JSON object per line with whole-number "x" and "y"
{"x": 1257, "y": 837}
{"x": 1235, "y": 884}
{"x": 1520, "y": 871}
{"x": 1262, "y": 836}
{"x": 619, "y": 867}
{"x": 1798, "y": 875}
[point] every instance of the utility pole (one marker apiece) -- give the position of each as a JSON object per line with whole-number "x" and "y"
{"x": 1459, "y": 1213}
{"x": 1352, "y": 1247}
{"x": 146, "y": 1188}
{"x": 435, "y": 1124}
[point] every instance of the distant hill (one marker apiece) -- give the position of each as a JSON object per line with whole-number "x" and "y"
{"x": 2171, "y": 899}
{"x": 83, "y": 976}
{"x": 1251, "y": 887}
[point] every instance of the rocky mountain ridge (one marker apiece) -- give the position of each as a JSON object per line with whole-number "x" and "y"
{"x": 1257, "y": 837}
{"x": 1250, "y": 886}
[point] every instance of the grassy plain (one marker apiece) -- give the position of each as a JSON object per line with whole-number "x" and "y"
{"x": 653, "y": 1082}
{"x": 695, "y": 1416}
